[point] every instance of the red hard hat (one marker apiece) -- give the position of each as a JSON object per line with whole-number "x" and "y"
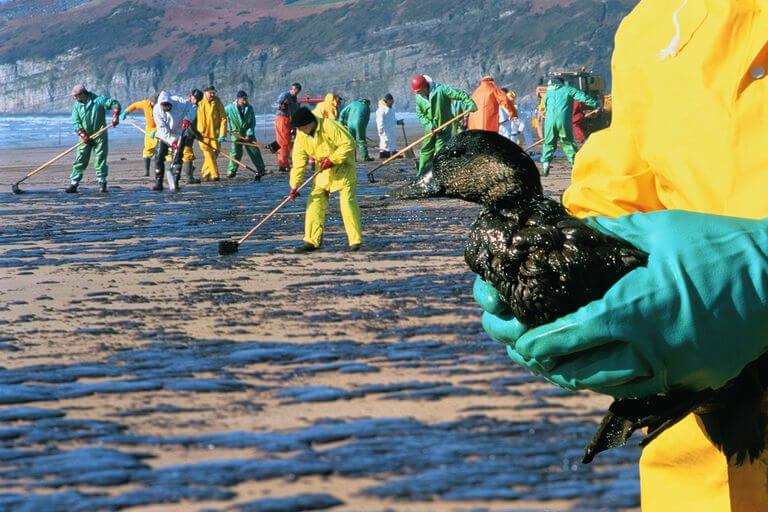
{"x": 418, "y": 83}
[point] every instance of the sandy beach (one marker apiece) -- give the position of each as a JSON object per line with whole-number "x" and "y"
{"x": 140, "y": 370}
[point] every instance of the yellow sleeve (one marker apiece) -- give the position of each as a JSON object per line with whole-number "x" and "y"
{"x": 610, "y": 176}
{"x": 223, "y": 117}
{"x": 135, "y": 106}
{"x": 299, "y": 158}
{"x": 340, "y": 137}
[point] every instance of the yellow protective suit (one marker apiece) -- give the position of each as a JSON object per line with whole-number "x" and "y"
{"x": 332, "y": 140}
{"x": 328, "y": 108}
{"x": 688, "y": 132}
{"x": 149, "y": 126}
{"x": 212, "y": 124}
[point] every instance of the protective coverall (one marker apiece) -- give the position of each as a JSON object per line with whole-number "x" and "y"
{"x": 717, "y": 65}
{"x": 90, "y": 117}
{"x": 149, "y": 126}
{"x": 558, "y": 124}
{"x": 168, "y": 126}
{"x": 211, "y": 125}
{"x": 285, "y": 106}
{"x": 488, "y": 98}
{"x": 332, "y": 140}
{"x": 328, "y": 108}
{"x": 433, "y": 112}
{"x": 355, "y": 117}
{"x": 242, "y": 123}
{"x": 386, "y": 125}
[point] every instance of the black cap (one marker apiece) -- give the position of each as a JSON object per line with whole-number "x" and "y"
{"x": 296, "y": 85}
{"x": 302, "y": 117}
{"x": 241, "y": 94}
{"x": 209, "y": 89}
{"x": 197, "y": 94}
{"x": 388, "y": 97}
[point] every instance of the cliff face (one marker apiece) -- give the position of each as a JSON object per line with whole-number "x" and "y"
{"x": 361, "y": 48}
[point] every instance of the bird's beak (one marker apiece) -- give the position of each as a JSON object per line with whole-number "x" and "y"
{"x": 425, "y": 186}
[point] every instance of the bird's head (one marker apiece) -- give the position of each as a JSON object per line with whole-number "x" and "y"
{"x": 481, "y": 167}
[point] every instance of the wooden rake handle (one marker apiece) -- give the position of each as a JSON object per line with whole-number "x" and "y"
{"x": 416, "y": 143}
{"x": 62, "y": 155}
{"x": 277, "y": 209}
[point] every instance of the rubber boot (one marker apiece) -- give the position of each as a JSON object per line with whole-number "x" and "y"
{"x": 189, "y": 170}
{"x": 147, "y": 166}
{"x": 71, "y": 189}
{"x": 158, "y": 186}
{"x": 103, "y": 187}
{"x": 177, "y": 177}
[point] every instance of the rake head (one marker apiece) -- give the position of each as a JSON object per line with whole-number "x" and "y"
{"x": 15, "y": 188}
{"x": 228, "y": 247}
{"x": 273, "y": 147}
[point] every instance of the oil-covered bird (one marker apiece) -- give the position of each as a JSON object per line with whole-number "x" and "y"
{"x": 545, "y": 263}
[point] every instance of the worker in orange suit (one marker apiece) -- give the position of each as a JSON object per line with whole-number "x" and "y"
{"x": 488, "y": 98}
{"x": 285, "y": 106}
{"x": 212, "y": 127}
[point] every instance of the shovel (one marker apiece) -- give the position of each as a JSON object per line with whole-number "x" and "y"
{"x": 15, "y": 187}
{"x": 411, "y": 146}
{"x": 169, "y": 177}
{"x": 232, "y": 246}
{"x": 408, "y": 154}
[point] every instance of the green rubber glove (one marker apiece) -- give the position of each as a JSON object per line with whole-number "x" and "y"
{"x": 123, "y": 115}
{"x": 152, "y": 135}
{"x": 692, "y": 318}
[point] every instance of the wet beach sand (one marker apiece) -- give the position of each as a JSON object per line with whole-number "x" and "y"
{"x": 140, "y": 370}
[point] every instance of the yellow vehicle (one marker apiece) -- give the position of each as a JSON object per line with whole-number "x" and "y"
{"x": 586, "y": 81}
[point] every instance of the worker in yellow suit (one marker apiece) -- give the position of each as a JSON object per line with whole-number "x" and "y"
{"x": 682, "y": 173}
{"x": 150, "y": 142}
{"x": 329, "y": 107}
{"x": 330, "y": 144}
{"x": 212, "y": 127}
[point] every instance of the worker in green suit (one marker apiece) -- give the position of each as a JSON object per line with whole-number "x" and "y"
{"x": 88, "y": 117}
{"x": 242, "y": 127}
{"x": 558, "y": 125}
{"x": 355, "y": 117}
{"x": 434, "y": 106}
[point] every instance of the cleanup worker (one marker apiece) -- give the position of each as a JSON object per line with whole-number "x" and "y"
{"x": 537, "y": 121}
{"x": 489, "y": 97}
{"x": 285, "y": 106}
{"x": 173, "y": 118}
{"x": 386, "y": 125}
{"x": 212, "y": 128}
{"x": 511, "y": 127}
{"x": 579, "y": 114}
{"x": 355, "y": 117}
{"x": 242, "y": 128}
{"x": 150, "y": 142}
{"x": 433, "y": 108}
{"x": 695, "y": 201}
{"x": 558, "y": 124}
{"x": 188, "y": 152}
{"x": 88, "y": 117}
{"x": 332, "y": 147}
{"x": 329, "y": 107}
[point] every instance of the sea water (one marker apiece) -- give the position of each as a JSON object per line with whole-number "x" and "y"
{"x": 55, "y": 130}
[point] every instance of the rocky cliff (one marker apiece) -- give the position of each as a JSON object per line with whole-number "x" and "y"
{"x": 356, "y": 48}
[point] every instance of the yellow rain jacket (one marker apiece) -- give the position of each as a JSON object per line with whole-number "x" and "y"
{"x": 328, "y": 108}
{"x": 332, "y": 140}
{"x": 149, "y": 126}
{"x": 688, "y": 132}
{"x": 212, "y": 124}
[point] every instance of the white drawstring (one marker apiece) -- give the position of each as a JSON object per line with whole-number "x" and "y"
{"x": 674, "y": 45}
